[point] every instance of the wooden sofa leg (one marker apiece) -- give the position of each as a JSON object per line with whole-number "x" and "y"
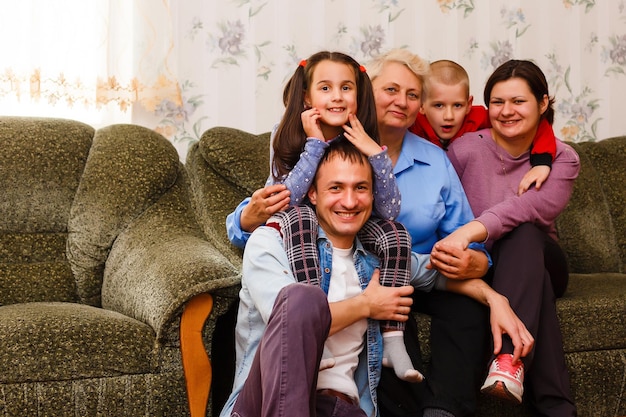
{"x": 196, "y": 362}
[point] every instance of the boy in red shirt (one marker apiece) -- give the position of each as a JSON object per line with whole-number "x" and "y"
{"x": 447, "y": 113}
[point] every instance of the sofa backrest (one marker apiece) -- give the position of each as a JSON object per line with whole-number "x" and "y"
{"x": 592, "y": 229}
{"x": 41, "y": 162}
{"x": 128, "y": 170}
{"x": 227, "y": 165}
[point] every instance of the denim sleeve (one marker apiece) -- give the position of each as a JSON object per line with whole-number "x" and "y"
{"x": 386, "y": 192}
{"x": 236, "y": 234}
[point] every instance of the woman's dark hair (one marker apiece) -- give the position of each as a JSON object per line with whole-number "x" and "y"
{"x": 290, "y": 136}
{"x": 527, "y": 71}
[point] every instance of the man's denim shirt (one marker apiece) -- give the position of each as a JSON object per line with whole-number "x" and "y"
{"x": 265, "y": 272}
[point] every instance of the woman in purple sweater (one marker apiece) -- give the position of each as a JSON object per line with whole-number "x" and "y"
{"x": 529, "y": 267}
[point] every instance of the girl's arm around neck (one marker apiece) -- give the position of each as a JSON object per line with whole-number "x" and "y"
{"x": 387, "y": 198}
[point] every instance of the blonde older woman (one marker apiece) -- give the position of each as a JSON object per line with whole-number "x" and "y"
{"x": 433, "y": 206}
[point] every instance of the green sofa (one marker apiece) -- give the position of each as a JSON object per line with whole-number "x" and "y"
{"x": 228, "y": 164}
{"x": 100, "y": 252}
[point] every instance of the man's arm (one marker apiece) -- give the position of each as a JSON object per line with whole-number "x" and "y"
{"x": 263, "y": 204}
{"x": 265, "y": 269}
{"x": 376, "y": 302}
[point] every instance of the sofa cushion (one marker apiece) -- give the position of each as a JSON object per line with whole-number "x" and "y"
{"x": 33, "y": 267}
{"x": 592, "y": 312}
{"x": 609, "y": 158}
{"x": 65, "y": 341}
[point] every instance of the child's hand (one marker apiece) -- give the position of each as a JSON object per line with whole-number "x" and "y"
{"x": 311, "y": 123}
{"x": 537, "y": 175}
{"x": 356, "y": 134}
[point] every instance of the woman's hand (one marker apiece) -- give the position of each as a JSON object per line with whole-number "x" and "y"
{"x": 473, "y": 231}
{"x": 455, "y": 262}
{"x": 504, "y": 320}
{"x": 311, "y": 123}
{"x": 356, "y": 134}
{"x": 502, "y": 317}
{"x": 453, "y": 259}
{"x": 263, "y": 204}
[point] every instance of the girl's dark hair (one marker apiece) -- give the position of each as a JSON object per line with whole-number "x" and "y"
{"x": 290, "y": 136}
{"x": 527, "y": 71}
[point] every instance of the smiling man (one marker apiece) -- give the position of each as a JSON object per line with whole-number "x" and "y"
{"x": 284, "y": 327}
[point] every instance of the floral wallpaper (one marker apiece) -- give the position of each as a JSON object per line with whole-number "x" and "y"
{"x": 234, "y": 56}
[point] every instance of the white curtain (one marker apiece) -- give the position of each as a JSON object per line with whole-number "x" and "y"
{"x": 88, "y": 60}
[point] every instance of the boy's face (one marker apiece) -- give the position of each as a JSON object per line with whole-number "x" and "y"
{"x": 445, "y": 108}
{"x": 343, "y": 199}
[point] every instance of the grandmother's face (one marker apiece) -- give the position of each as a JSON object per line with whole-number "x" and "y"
{"x": 397, "y": 92}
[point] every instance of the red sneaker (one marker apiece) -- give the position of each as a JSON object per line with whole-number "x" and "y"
{"x": 505, "y": 380}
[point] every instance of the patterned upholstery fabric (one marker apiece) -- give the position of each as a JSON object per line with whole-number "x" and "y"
{"x": 99, "y": 252}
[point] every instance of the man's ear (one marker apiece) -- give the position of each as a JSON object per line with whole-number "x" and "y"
{"x": 312, "y": 194}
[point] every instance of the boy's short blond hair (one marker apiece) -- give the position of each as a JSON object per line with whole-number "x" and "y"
{"x": 448, "y": 73}
{"x": 413, "y": 62}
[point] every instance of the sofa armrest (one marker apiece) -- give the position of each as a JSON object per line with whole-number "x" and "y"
{"x": 160, "y": 262}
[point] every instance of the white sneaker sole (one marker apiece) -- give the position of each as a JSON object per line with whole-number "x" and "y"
{"x": 498, "y": 388}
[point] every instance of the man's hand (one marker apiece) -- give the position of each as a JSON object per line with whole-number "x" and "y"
{"x": 264, "y": 203}
{"x": 537, "y": 175}
{"x": 376, "y": 302}
{"x": 387, "y": 303}
{"x": 504, "y": 320}
{"x": 455, "y": 262}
